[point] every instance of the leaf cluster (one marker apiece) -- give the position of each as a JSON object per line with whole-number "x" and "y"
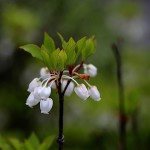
{"x": 58, "y": 59}
{"x": 32, "y": 143}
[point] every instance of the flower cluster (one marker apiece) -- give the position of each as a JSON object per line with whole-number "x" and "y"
{"x": 40, "y": 88}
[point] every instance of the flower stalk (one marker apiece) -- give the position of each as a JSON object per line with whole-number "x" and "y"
{"x": 60, "y": 139}
{"x": 122, "y": 115}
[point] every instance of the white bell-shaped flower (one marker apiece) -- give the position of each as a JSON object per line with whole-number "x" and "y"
{"x": 33, "y": 84}
{"x": 36, "y": 92}
{"x": 90, "y": 69}
{"x": 69, "y": 89}
{"x": 44, "y": 92}
{"x": 31, "y": 101}
{"x": 81, "y": 91}
{"x": 94, "y": 93}
{"x": 46, "y": 105}
{"x": 44, "y": 72}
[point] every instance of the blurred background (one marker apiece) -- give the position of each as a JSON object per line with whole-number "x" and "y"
{"x": 87, "y": 124}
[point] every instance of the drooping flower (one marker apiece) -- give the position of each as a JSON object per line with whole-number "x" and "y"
{"x": 36, "y": 92}
{"x": 33, "y": 84}
{"x": 90, "y": 69}
{"x": 81, "y": 91}
{"x": 31, "y": 101}
{"x": 69, "y": 89}
{"x": 46, "y": 105}
{"x": 44, "y": 72}
{"x": 44, "y": 92}
{"x": 94, "y": 93}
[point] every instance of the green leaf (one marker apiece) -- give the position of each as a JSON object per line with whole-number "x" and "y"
{"x": 33, "y": 139}
{"x": 79, "y": 46}
{"x": 4, "y": 145}
{"x": 70, "y": 51}
{"x": 32, "y": 142}
{"x": 62, "y": 40}
{"x": 28, "y": 145}
{"x": 49, "y": 43}
{"x": 16, "y": 144}
{"x": 34, "y": 50}
{"x": 89, "y": 48}
{"x": 45, "y": 57}
{"x": 62, "y": 57}
{"x": 53, "y": 61}
{"x": 47, "y": 143}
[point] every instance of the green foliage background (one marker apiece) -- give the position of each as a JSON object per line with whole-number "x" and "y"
{"x": 88, "y": 124}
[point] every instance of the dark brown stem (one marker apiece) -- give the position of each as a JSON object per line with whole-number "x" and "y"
{"x": 134, "y": 119}
{"x": 60, "y": 139}
{"x": 77, "y": 69}
{"x": 122, "y": 119}
{"x": 70, "y": 68}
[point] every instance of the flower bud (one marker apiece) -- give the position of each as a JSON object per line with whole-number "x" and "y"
{"x": 90, "y": 69}
{"x": 81, "y": 91}
{"x": 94, "y": 93}
{"x": 44, "y": 72}
{"x": 31, "y": 101}
{"x": 69, "y": 89}
{"x": 46, "y": 105}
{"x": 33, "y": 84}
{"x": 44, "y": 92}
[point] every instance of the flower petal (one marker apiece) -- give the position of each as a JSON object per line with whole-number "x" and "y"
{"x": 46, "y": 105}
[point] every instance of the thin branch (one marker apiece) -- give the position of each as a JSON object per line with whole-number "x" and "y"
{"x": 79, "y": 67}
{"x": 63, "y": 93}
{"x": 122, "y": 119}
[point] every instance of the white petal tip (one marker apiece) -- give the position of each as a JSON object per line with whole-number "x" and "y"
{"x": 93, "y": 75}
{"x": 85, "y": 99}
{"x": 98, "y": 99}
{"x": 43, "y": 112}
{"x": 29, "y": 105}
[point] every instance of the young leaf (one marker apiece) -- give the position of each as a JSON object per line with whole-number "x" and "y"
{"x": 16, "y": 144}
{"x": 49, "y": 43}
{"x": 70, "y": 51}
{"x": 89, "y": 48}
{"x": 4, "y": 145}
{"x": 53, "y": 61}
{"x": 62, "y": 57}
{"x": 34, "y": 50}
{"x": 47, "y": 143}
{"x": 79, "y": 46}
{"x": 62, "y": 40}
{"x": 45, "y": 57}
{"x": 44, "y": 48}
{"x": 33, "y": 139}
{"x": 28, "y": 145}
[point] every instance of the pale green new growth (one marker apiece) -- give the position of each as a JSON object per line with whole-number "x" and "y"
{"x": 32, "y": 143}
{"x": 34, "y": 50}
{"x": 49, "y": 43}
{"x": 58, "y": 59}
